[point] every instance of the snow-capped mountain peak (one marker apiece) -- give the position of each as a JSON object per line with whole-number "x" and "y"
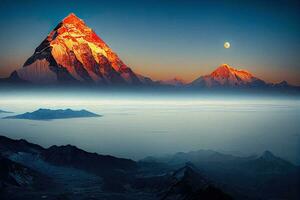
{"x": 74, "y": 52}
{"x": 227, "y": 76}
{"x": 72, "y": 19}
{"x": 225, "y": 71}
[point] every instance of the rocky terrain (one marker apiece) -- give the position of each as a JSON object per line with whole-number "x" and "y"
{"x": 29, "y": 171}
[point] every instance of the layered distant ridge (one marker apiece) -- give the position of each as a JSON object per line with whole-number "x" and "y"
{"x": 173, "y": 82}
{"x": 73, "y": 52}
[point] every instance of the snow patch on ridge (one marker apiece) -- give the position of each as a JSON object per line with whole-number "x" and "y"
{"x": 38, "y": 72}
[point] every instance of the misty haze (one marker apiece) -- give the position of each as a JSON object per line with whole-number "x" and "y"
{"x": 139, "y": 125}
{"x": 149, "y": 100}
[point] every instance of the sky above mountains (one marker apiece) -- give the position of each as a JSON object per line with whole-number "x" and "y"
{"x": 165, "y": 39}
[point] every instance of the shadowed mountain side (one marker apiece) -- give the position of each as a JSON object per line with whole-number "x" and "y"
{"x": 203, "y": 174}
{"x": 249, "y": 177}
{"x": 67, "y": 156}
{"x": 72, "y": 171}
{"x": 14, "y": 174}
{"x": 17, "y": 180}
{"x": 185, "y": 183}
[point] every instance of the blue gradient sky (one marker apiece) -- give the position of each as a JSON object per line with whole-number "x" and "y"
{"x": 165, "y": 39}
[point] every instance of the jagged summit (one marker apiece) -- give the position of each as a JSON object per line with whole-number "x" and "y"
{"x": 268, "y": 155}
{"x": 225, "y": 70}
{"x": 227, "y": 76}
{"x": 72, "y": 19}
{"x": 73, "y": 52}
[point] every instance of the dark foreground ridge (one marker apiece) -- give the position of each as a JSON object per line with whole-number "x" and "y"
{"x": 29, "y": 171}
{"x": 48, "y": 114}
{"x": 71, "y": 173}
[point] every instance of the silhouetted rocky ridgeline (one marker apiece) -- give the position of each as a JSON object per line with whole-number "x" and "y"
{"x": 29, "y": 171}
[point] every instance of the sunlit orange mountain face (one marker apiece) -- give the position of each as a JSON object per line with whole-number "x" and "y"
{"x": 227, "y": 76}
{"x": 73, "y": 52}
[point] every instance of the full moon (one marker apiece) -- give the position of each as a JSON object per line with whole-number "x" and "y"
{"x": 226, "y": 45}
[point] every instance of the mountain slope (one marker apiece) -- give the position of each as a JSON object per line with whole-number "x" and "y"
{"x": 173, "y": 82}
{"x": 66, "y": 156}
{"x": 15, "y": 174}
{"x": 48, "y": 114}
{"x": 254, "y": 177}
{"x": 77, "y": 174}
{"x": 226, "y": 76}
{"x": 188, "y": 184}
{"x": 185, "y": 183}
{"x": 72, "y": 52}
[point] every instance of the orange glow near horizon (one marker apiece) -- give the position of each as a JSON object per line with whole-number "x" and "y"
{"x": 161, "y": 72}
{"x": 190, "y": 74}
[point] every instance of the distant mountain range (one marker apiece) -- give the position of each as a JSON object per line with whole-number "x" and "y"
{"x": 226, "y": 76}
{"x": 48, "y": 114}
{"x": 73, "y": 54}
{"x": 172, "y": 82}
{"x": 29, "y": 171}
{"x": 264, "y": 176}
